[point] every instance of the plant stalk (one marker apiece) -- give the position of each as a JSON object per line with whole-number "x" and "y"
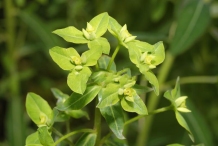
{"x": 97, "y": 124}
{"x": 113, "y": 57}
{"x": 72, "y": 133}
{"x": 160, "y": 110}
{"x": 15, "y": 121}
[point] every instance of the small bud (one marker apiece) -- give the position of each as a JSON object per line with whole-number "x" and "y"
{"x": 89, "y": 28}
{"x": 86, "y": 34}
{"x": 43, "y": 119}
{"x": 76, "y": 60}
{"x": 128, "y": 91}
{"x": 129, "y": 39}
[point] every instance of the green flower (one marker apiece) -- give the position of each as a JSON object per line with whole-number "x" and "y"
{"x": 180, "y": 104}
{"x": 125, "y": 36}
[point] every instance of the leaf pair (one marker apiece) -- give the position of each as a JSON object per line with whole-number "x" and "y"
{"x": 92, "y": 35}
{"x": 147, "y": 57}
{"x": 69, "y": 59}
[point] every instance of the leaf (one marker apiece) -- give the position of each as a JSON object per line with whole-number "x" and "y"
{"x": 173, "y": 94}
{"x": 114, "y": 27}
{"x": 152, "y": 79}
{"x": 45, "y": 136}
{"x": 134, "y": 52}
{"x": 36, "y": 106}
{"x": 77, "y": 80}
{"x": 104, "y": 61}
{"x": 71, "y": 34}
{"x": 63, "y": 57}
{"x": 159, "y": 53}
{"x": 192, "y": 22}
{"x": 78, "y": 101}
{"x": 109, "y": 96}
{"x": 101, "y": 43}
{"x": 58, "y": 94}
{"x": 33, "y": 140}
{"x": 183, "y": 123}
{"x": 139, "y": 45}
{"x": 77, "y": 114}
{"x": 87, "y": 139}
{"x": 91, "y": 57}
{"x": 114, "y": 118}
{"x": 141, "y": 89}
{"x": 59, "y": 116}
{"x": 100, "y": 23}
{"x": 137, "y": 106}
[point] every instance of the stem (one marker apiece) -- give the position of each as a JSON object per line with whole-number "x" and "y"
{"x": 153, "y": 99}
{"x": 97, "y": 124}
{"x": 141, "y": 122}
{"x": 61, "y": 135}
{"x": 72, "y": 133}
{"x": 196, "y": 79}
{"x": 160, "y": 110}
{"x": 113, "y": 57}
{"x": 15, "y": 121}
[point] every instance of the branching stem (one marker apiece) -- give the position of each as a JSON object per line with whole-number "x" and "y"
{"x": 113, "y": 57}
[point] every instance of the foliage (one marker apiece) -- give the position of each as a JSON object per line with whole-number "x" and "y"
{"x": 188, "y": 30}
{"x": 114, "y": 90}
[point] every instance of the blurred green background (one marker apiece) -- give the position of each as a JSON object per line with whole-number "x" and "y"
{"x": 188, "y": 28}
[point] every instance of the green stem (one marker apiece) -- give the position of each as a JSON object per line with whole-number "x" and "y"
{"x": 153, "y": 99}
{"x": 61, "y": 135}
{"x": 160, "y": 110}
{"x": 73, "y": 133}
{"x": 195, "y": 79}
{"x": 113, "y": 57}
{"x": 15, "y": 121}
{"x": 97, "y": 124}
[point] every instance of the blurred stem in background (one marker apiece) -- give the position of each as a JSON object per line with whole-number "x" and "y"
{"x": 15, "y": 122}
{"x": 153, "y": 101}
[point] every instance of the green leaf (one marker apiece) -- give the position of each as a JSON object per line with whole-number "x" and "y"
{"x": 192, "y": 22}
{"x": 77, "y": 80}
{"x": 101, "y": 43}
{"x": 134, "y": 52}
{"x": 109, "y": 96}
{"x": 159, "y": 53}
{"x": 77, "y": 114}
{"x": 87, "y": 139}
{"x": 33, "y": 140}
{"x": 104, "y": 61}
{"x": 38, "y": 108}
{"x": 114, "y": 118}
{"x": 71, "y": 34}
{"x": 45, "y": 136}
{"x": 78, "y": 101}
{"x": 114, "y": 27}
{"x": 141, "y": 89}
{"x": 63, "y": 57}
{"x": 183, "y": 123}
{"x": 139, "y": 45}
{"x": 58, "y": 94}
{"x": 59, "y": 116}
{"x": 91, "y": 57}
{"x": 100, "y": 23}
{"x": 137, "y": 106}
{"x": 152, "y": 79}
